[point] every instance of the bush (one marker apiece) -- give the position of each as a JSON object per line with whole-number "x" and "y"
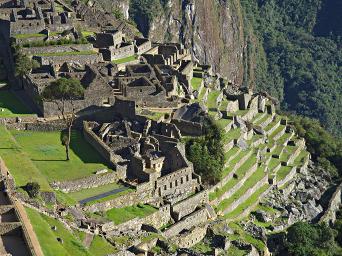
{"x": 206, "y": 153}
{"x": 32, "y": 188}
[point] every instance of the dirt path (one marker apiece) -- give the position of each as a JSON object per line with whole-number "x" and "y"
{"x": 88, "y": 239}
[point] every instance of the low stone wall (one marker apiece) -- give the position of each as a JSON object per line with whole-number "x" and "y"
{"x": 21, "y": 119}
{"x": 232, "y": 106}
{"x": 188, "y": 205}
{"x": 231, "y": 173}
{"x": 191, "y": 237}
{"x": 247, "y": 194}
{"x": 276, "y": 125}
{"x": 279, "y": 134}
{"x": 129, "y": 199}
{"x": 156, "y": 220}
{"x": 267, "y": 121}
{"x": 98, "y": 144}
{"x": 188, "y": 128}
{"x": 58, "y": 48}
{"x": 228, "y": 146}
{"x": 288, "y": 177}
{"x": 238, "y": 185}
{"x": 82, "y": 59}
{"x": 10, "y": 228}
{"x": 92, "y": 181}
{"x": 226, "y": 164}
{"x": 334, "y": 204}
{"x": 192, "y": 220}
{"x": 37, "y": 126}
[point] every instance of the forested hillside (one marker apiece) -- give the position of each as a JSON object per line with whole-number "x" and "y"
{"x": 297, "y": 48}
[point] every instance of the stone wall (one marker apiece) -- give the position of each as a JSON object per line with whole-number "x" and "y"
{"x": 187, "y": 206}
{"x": 92, "y": 181}
{"x": 247, "y": 194}
{"x": 231, "y": 173}
{"x": 98, "y": 144}
{"x": 191, "y": 237}
{"x": 59, "y": 60}
{"x": 334, "y": 204}
{"x": 157, "y": 219}
{"x": 58, "y": 48}
{"x": 188, "y": 128}
{"x": 194, "y": 219}
{"x": 129, "y": 199}
{"x": 238, "y": 185}
{"x": 288, "y": 177}
{"x": 21, "y": 119}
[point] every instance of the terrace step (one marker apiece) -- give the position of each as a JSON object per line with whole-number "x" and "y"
{"x": 238, "y": 182}
{"x": 246, "y": 193}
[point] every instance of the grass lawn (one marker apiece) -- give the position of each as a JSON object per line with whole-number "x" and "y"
{"x": 86, "y": 193}
{"x": 124, "y": 60}
{"x": 212, "y": 97}
{"x": 120, "y": 215}
{"x": 100, "y": 247}
{"x": 196, "y": 83}
{"x": 50, "y": 54}
{"x": 11, "y": 105}
{"x": 19, "y": 163}
{"x": 24, "y": 36}
{"x": 48, "y": 155}
{"x": 48, "y": 237}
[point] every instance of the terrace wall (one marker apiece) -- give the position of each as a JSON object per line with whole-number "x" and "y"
{"x": 58, "y": 48}
{"x": 188, "y": 128}
{"x": 198, "y": 217}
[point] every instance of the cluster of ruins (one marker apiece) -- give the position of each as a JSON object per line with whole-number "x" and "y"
{"x": 151, "y": 103}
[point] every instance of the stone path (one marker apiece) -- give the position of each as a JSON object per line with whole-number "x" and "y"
{"x": 109, "y": 193}
{"x": 88, "y": 239}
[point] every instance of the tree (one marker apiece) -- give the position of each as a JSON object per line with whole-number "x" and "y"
{"x": 23, "y": 64}
{"x": 63, "y": 92}
{"x": 32, "y": 189}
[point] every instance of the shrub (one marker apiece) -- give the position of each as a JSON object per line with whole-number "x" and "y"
{"x": 32, "y": 188}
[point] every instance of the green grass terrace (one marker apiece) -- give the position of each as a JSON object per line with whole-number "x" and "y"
{"x": 55, "y": 54}
{"x": 11, "y": 106}
{"x": 196, "y": 83}
{"x": 125, "y": 60}
{"x": 25, "y": 36}
{"x": 121, "y": 215}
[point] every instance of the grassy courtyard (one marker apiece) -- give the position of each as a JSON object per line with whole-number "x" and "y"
{"x": 46, "y": 152}
{"x": 11, "y": 106}
{"x": 72, "y": 245}
{"x": 120, "y": 215}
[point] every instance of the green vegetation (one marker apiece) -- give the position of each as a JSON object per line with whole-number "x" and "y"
{"x": 23, "y": 171}
{"x": 100, "y": 247}
{"x": 143, "y": 13}
{"x": 48, "y": 238}
{"x": 206, "y": 152}
{"x": 87, "y": 33}
{"x": 125, "y": 60}
{"x": 110, "y": 197}
{"x": 45, "y": 152}
{"x": 61, "y": 91}
{"x": 72, "y": 243}
{"x": 51, "y": 54}
{"x": 86, "y": 193}
{"x": 295, "y": 47}
{"x": 196, "y": 83}
{"x": 11, "y": 106}
{"x": 62, "y": 41}
{"x": 324, "y": 148}
{"x": 120, "y": 215}
{"x": 23, "y": 64}
{"x": 32, "y": 189}
{"x": 25, "y": 36}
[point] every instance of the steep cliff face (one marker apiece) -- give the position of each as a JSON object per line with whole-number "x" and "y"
{"x": 213, "y": 30}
